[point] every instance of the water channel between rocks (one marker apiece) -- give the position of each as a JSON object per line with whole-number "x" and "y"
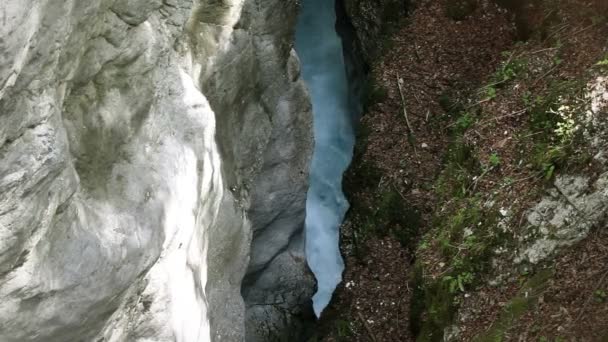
{"x": 323, "y": 68}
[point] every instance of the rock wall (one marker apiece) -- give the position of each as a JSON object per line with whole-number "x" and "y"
{"x": 142, "y": 145}
{"x": 371, "y": 19}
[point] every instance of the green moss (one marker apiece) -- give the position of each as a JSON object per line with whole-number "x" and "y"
{"x": 466, "y": 237}
{"x": 525, "y": 299}
{"x": 432, "y": 307}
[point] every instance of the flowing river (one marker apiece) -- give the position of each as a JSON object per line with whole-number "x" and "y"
{"x": 323, "y": 68}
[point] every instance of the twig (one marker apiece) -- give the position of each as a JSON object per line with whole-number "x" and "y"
{"x": 531, "y": 134}
{"x": 599, "y": 284}
{"x": 541, "y": 50}
{"x": 479, "y": 90}
{"x": 579, "y": 31}
{"x": 544, "y": 75}
{"x": 417, "y": 99}
{"x": 559, "y": 30}
{"x": 407, "y": 120}
{"x": 417, "y": 53}
{"x": 512, "y": 114}
{"x": 485, "y": 172}
{"x": 399, "y": 192}
{"x": 478, "y": 103}
{"x": 369, "y": 330}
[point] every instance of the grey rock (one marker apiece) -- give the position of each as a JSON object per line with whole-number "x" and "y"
{"x": 565, "y": 216}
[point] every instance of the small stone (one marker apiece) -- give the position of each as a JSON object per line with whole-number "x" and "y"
{"x": 424, "y": 145}
{"x": 468, "y": 232}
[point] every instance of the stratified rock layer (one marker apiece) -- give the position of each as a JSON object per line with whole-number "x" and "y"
{"x": 141, "y": 143}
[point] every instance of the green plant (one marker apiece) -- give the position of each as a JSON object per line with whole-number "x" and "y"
{"x": 547, "y": 158}
{"x": 343, "y": 328}
{"x": 494, "y": 160}
{"x": 458, "y": 282}
{"x": 490, "y": 92}
{"x": 603, "y": 62}
{"x": 600, "y": 296}
{"x": 527, "y": 98}
{"x": 464, "y": 122}
{"x": 507, "y": 181}
{"x": 555, "y": 106}
{"x": 509, "y": 69}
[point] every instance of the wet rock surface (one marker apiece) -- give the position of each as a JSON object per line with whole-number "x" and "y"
{"x": 143, "y": 145}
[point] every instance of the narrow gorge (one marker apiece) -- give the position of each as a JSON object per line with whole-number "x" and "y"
{"x": 303, "y": 170}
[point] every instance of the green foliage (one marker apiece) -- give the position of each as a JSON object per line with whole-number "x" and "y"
{"x": 494, "y": 160}
{"x": 432, "y": 307}
{"x": 458, "y": 282}
{"x": 464, "y": 122}
{"x": 556, "y": 129}
{"x": 547, "y": 159}
{"x": 600, "y": 296}
{"x": 509, "y": 69}
{"x": 490, "y": 92}
{"x": 603, "y": 62}
{"x": 343, "y": 329}
{"x": 460, "y": 165}
{"x": 466, "y": 238}
{"x": 544, "y": 112}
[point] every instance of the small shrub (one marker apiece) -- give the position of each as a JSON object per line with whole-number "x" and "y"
{"x": 464, "y": 122}
{"x": 494, "y": 160}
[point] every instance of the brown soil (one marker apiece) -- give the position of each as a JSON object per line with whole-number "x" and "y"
{"x": 434, "y": 56}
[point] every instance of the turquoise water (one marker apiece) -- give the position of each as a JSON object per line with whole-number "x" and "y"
{"x": 320, "y": 50}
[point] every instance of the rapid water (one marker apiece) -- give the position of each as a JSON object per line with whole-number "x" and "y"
{"x": 320, "y": 50}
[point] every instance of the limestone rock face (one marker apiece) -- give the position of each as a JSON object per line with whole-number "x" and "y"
{"x": 143, "y": 143}
{"x": 573, "y": 207}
